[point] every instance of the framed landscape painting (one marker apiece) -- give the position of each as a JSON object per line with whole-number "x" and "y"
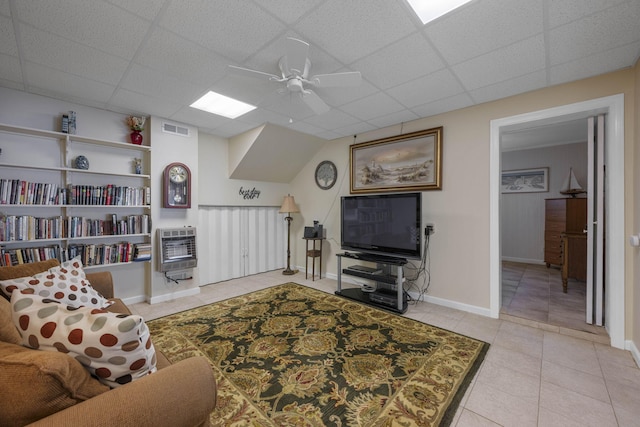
{"x": 525, "y": 180}
{"x": 410, "y": 162}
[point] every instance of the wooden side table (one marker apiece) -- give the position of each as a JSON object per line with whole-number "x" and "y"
{"x": 313, "y": 253}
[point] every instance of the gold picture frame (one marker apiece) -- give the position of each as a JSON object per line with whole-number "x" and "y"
{"x": 409, "y": 162}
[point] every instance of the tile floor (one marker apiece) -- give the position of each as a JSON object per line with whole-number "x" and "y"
{"x": 530, "y": 377}
{"x": 534, "y": 292}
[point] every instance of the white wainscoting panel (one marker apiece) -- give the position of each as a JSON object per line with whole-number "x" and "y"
{"x": 237, "y": 241}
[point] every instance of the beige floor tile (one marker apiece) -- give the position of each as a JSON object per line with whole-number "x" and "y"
{"x": 549, "y": 418}
{"x": 471, "y": 419}
{"x": 478, "y": 327}
{"x": 577, "y": 381}
{"x": 520, "y": 338}
{"x": 576, "y": 406}
{"x": 514, "y": 360}
{"x": 501, "y": 407}
{"x": 510, "y": 381}
{"x": 571, "y": 352}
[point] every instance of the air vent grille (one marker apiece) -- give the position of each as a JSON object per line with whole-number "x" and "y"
{"x": 175, "y": 129}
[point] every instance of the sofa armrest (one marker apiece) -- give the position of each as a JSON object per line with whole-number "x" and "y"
{"x": 183, "y": 394}
{"x": 102, "y": 281}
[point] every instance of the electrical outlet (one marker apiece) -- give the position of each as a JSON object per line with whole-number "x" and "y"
{"x": 430, "y": 229}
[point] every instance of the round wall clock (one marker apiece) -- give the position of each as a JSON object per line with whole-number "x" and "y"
{"x": 326, "y": 174}
{"x": 177, "y": 186}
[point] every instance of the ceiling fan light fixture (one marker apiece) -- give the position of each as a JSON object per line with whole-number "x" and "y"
{"x": 429, "y": 10}
{"x": 222, "y": 105}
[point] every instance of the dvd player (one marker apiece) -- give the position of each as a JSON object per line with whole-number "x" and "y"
{"x": 364, "y": 269}
{"x": 383, "y": 298}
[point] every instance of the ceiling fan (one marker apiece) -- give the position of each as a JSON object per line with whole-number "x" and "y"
{"x": 294, "y": 68}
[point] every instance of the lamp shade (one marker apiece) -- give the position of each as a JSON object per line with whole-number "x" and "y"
{"x": 289, "y": 205}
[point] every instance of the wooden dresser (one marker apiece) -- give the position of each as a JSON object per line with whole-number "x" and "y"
{"x": 566, "y": 219}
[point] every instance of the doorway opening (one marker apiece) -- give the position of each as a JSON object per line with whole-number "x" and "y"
{"x": 613, "y": 107}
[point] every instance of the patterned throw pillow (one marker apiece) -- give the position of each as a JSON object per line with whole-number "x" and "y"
{"x": 116, "y": 348}
{"x": 66, "y": 283}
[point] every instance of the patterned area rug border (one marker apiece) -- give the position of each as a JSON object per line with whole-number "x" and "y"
{"x": 277, "y": 363}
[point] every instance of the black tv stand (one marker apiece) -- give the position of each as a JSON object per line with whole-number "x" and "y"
{"x": 389, "y": 277}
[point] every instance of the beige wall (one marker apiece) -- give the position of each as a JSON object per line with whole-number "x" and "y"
{"x": 460, "y": 247}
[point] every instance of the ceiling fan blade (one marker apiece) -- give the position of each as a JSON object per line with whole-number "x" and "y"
{"x": 337, "y": 79}
{"x": 254, "y": 73}
{"x": 295, "y": 58}
{"x": 314, "y": 101}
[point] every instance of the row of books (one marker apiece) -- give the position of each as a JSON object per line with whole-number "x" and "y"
{"x": 110, "y": 195}
{"x": 20, "y": 192}
{"x": 27, "y": 227}
{"x": 90, "y": 254}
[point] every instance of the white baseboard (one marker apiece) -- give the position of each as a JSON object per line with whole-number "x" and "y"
{"x": 631, "y": 346}
{"x": 134, "y": 300}
{"x": 173, "y": 295}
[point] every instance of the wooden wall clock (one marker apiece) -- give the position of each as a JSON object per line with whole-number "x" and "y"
{"x": 176, "y": 186}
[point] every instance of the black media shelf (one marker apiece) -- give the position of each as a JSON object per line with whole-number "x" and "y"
{"x": 391, "y": 297}
{"x": 356, "y": 294}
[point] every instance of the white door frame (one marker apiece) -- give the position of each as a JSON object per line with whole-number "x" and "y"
{"x": 613, "y": 106}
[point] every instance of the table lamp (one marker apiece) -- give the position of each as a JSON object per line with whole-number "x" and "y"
{"x": 289, "y": 206}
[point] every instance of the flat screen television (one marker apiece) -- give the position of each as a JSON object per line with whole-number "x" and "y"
{"x": 382, "y": 224}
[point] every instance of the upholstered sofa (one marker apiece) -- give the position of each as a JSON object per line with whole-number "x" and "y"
{"x": 50, "y": 388}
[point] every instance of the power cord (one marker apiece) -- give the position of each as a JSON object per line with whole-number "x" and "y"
{"x": 423, "y": 270}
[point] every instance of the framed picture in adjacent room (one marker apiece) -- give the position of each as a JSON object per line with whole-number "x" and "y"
{"x": 525, "y": 180}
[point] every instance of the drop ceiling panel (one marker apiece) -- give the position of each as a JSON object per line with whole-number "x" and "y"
{"x": 7, "y": 37}
{"x": 593, "y": 34}
{"x": 502, "y": 64}
{"x": 402, "y": 61}
{"x": 50, "y": 82}
{"x": 371, "y": 107}
{"x": 96, "y": 24}
{"x": 216, "y": 25}
{"x": 484, "y": 26}
{"x": 432, "y": 87}
{"x": 350, "y": 31}
{"x": 68, "y": 56}
{"x": 166, "y": 51}
{"x": 10, "y": 68}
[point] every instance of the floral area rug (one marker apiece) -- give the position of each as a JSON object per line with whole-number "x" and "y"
{"x": 295, "y": 356}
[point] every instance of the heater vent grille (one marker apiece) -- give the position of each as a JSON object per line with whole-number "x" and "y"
{"x": 175, "y": 129}
{"x": 177, "y": 248}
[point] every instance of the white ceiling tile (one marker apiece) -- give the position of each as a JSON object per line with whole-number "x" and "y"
{"x": 371, "y": 107}
{"x": 502, "y": 64}
{"x": 78, "y": 59}
{"x": 593, "y": 65}
{"x": 563, "y": 12}
{"x": 333, "y": 119}
{"x": 7, "y": 37}
{"x": 67, "y": 86}
{"x": 10, "y": 68}
{"x": 432, "y": 87}
{"x": 233, "y": 29}
{"x": 528, "y": 82}
{"x": 4, "y": 8}
{"x": 484, "y": 26}
{"x": 405, "y": 60}
{"x": 290, "y": 11}
{"x": 173, "y": 55}
{"x": 142, "y": 79}
{"x": 143, "y": 104}
{"x": 96, "y": 24}
{"x": 442, "y": 106}
{"x": 352, "y": 30}
{"x": 499, "y": 48}
{"x": 198, "y": 118}
{"x": 147, "y": 9}
{"x": 392, "y": 119}
{"x": 594, "y": 33}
